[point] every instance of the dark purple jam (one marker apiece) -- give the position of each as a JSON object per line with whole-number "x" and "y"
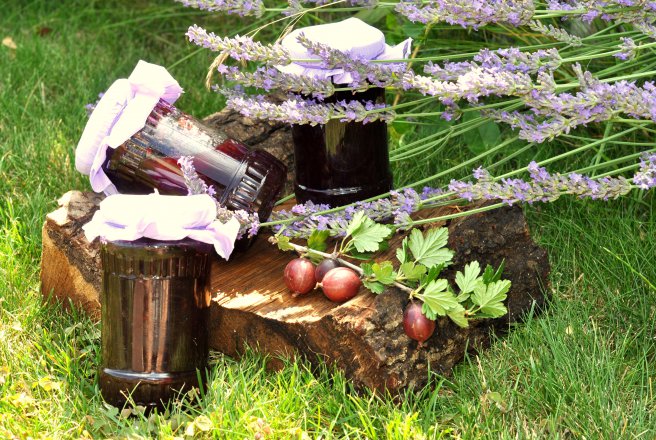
{"x": 243, "y": 179}
{"x": 155, "y": 302}
{"x": 342, "y": 162}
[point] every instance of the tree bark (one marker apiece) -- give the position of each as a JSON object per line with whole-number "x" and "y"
{"x": 363, "y": 337}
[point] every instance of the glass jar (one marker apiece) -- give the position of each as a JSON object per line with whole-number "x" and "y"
{"x": 242, "y": 179}
{"x": 342, "y": 162}
{"x": 155, "y": 302}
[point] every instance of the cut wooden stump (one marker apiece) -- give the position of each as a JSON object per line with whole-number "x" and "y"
{"x": 363, "y": 337}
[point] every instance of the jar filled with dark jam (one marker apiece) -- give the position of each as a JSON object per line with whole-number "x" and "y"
{"x": 155, "y": 302}
{"x": 242, "y": 179}
{"x": 342, "y": 162}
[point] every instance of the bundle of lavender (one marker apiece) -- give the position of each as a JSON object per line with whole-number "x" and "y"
{"x": 547, "y": 80}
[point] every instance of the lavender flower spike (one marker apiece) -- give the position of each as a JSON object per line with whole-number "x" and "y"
{"x": 268, "y": 78}
{"x": 645, "y": 178}
{"x": 468, "y": 13}
{"x": 296, "y": 110}
{"x": 240, "y": 48}
{"x": 542, "y": 187}
{"x": 239, "y": 7}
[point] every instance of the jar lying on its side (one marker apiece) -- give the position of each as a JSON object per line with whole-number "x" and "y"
{"x": 242, "y": 179}
{"x": 155, "y": 302}
{"x": 135, "y": 137}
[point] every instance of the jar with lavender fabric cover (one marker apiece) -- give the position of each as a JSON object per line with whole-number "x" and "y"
{"x": 135, "y": 137}
{"x": 156, "y": 254}
{"x": 341, "y": 162}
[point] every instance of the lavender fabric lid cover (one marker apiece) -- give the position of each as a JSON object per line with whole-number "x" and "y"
{"x": 124, "y": 217}
{"x": 120, "y": 113}
{"x": 352, "y": 35}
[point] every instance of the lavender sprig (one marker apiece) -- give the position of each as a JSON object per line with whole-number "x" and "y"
{"x": 640, "y": 13}
{"x": 468, "y": 13}
{"x": 542, "y": 187}
{"x": 645, "y": 178}
{"x": 268, "y": 78}
{"x": 240, "y": 48}
{"x": 397, "y": 207}
{"x": 628, "y": 49}
{"x": 239, "y": 7}
{"x": 509, "y": 60}
{"x": 557, "y": 34}
{"x": 552, "y": 114}
{"x": 297, "y": 110}
{"x": 362, "y": 71}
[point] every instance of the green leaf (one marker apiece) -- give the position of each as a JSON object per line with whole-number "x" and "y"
{"x": 428, "y": 312}
{"x": 317, "y": 240}
{"x": 485, "y": 135}
{"x": 356, "y": 222}
{"x": 468, "y": 280}
{"x": 412, "y": 271}
{"x": 458, "y": 316}
{"x": 369, "y": 235}
{"x": 429, "y": 249}
{"x": 283, "y": 243}
{"x": 374, "y": 286}
{"x": 367, "y": 271}
{"x": 402, "y": 252}
{"x": 490, "y": 298}
{"x": 439, "y": 298}
{"x": 384, "y": 272}
{"x": 490, "y": 275}
{"x": 431, "y": 275}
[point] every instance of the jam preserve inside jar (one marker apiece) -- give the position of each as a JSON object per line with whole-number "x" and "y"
{"x": 242, "y": 179}
{"x": 342, "y": 162}
{"x": 155, "y": 302}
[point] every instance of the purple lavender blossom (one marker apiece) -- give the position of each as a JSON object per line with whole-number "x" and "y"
{"x": 297, "y": 110}
{"x": 645, "y": 178}
{"x": 552, "y": 114}
{"x": 398, "y": 206}
{"x": 627, "y": 49}
{"x": 557, "y": 34}
{"x": 363, "y": 71}
{"x": 240, "y": 48}
{"x": 269, "y": 78}
{"x": 239, "y": 7}
{"x": 542, "y": 187}
{"x": 639, "y": 13}
{"x": 195, "y": 185}
{"x": 468, "y": 13}
{"x": 502, "y": 60}
{"x": 472, "y": 85}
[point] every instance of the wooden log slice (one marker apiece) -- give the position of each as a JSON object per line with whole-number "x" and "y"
{"x": 363, "y": 337}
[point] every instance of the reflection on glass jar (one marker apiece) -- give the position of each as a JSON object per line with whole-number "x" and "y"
{"x": 155, "y": 302}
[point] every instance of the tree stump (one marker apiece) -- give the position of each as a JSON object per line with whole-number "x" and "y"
{"x": 363, "y": 337}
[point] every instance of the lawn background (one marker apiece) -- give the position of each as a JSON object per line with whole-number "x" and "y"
{"x": 584, "y": 369}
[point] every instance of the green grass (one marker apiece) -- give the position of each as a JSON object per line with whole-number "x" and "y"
{"x": 583, "y": 369}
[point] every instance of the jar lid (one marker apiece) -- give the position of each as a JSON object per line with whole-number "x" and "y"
{"x": 126, "y": 217}
{"x": 121, "y": 112}
{"x": 351, "y": 35}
